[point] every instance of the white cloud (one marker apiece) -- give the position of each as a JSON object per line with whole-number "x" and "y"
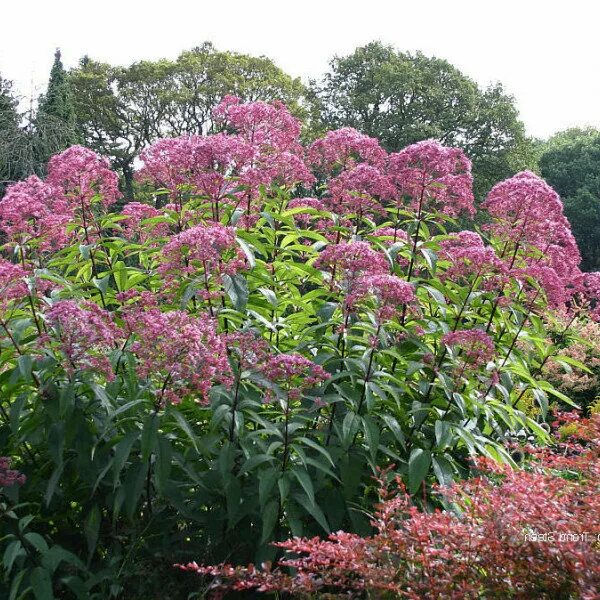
{"x": 545, "y": 52}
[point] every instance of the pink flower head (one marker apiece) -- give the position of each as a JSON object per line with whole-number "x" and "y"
{"x": 527, "y": 212}
{"x": 350, "y": 260}
{"x": 83, "y": 178}
{"x": 433, "y": 177}
{"x": 33, "y": 213}
{"x": 591, "y": 293}
{"x": 134, "y": 227}
{"x": 8, "y": 476}
{"x": 360, "y": 190}
{"x": 390, "y": 292}
{"x": 557, "y": 293}
{"x": 248, "y": 349}
{"x": 201, "y": 165}
{"x": 182, "y": 355}
{"x": 85, "y": 334}
{"x": 279, "y": 168}
{"x": 470, "y": 258}
{"x": 476, "y": 346}
{"x": 13, "y": 284}
{"x": 212, "y": 250}
{"x": 269, "y": 125}
{"x": 294, "y": 373}
{"x": 343, "y": 149}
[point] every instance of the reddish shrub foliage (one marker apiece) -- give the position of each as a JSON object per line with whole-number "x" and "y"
{"x": 531, "y": 533}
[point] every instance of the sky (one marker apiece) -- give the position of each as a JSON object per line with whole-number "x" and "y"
{"x": 545, "y": 52}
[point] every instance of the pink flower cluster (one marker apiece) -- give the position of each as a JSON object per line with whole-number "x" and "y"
{"x": 360, "y": 190}
{"x": 347, "y": 261}
{"x": 476, "y": 346}
{"x": 33, "y": 213}
{"x": 590, "y": 288}
{"x": 433, "y": 177}
{"x": 211, "y": 250}
{"x": 249, "y": 349}
{"x": 390, "y": 292}
{"x": 182, "y": 355}
{"x": 85, "y": 333}
{"x": 528, "y": 216}
{"x": 470, "y": 258}
{"x": 134, "y": 227}
{"x": 294, "y": 373}
{"x": 260, "y": 123}
{"x": 206, "y": 166}
{"x": 343, "y": 149}
{"x": 12, "y": 283}
{"x": 8, "y": 476}
{"x": 83, "y": 178}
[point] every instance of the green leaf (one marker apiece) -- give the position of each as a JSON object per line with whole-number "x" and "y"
{"x": 186, "y": 428}
{"x": 418, "y": 466}
{"x": 122, "y": 451}
{"x": 149, "y": 435}
{"x": 41, "y": 584}
{"x": 92, "y": 528}
{"x": 305, "y": 481}
{"x": 236, "y": 287}
{"x": 37, "y": 541}
{"x": 13, "y": 550}
{"x": 269, "y": 519}
{"x": 314, "y": 511}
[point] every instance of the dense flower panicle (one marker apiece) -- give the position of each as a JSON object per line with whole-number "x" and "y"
{"x": 202, "y": 165}
{"x": 347, "y": 261}
{"x": 555, "y": 289}
{"x": 433, "y": 177}
{"x": 343, "y": 149}
{"x": 135, "y": 229}
{"x": 590, "y": 287}
{"x": 12, "y": 283}
{"x": 212, "y": 250}
{"x": 276, "y": 168}
{"x": 81, "y": 175}
{"x": 33, "y": 213}
{"x": 390, "y": 292}
{"x": 247, "y": 348}
{"x": 294, "y": 373}
{"x": 8, "y": 476}
{"x": 527, "y": 213}
{"x": 181, "y": 354}
{"x": 476, "y": 346}
{"x": 86, "y": 334}
{"x": 360, "y": 190}
{"x": 469, "y": 257}
{"x": 270, "y": 125}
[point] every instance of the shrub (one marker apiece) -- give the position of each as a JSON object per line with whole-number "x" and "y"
{"x": 507, "y": 533}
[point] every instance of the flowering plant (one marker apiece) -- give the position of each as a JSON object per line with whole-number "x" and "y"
{"x": 229, "y": 364}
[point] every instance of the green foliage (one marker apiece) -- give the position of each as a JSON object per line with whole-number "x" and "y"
{"x": 570, "y": 161}
{"x": 403, "y": 98}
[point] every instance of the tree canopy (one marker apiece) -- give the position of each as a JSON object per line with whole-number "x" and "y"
{"x": 120, "y": 110}
{"x": 570, "y": 161}
{"x": 402, "y": 98}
